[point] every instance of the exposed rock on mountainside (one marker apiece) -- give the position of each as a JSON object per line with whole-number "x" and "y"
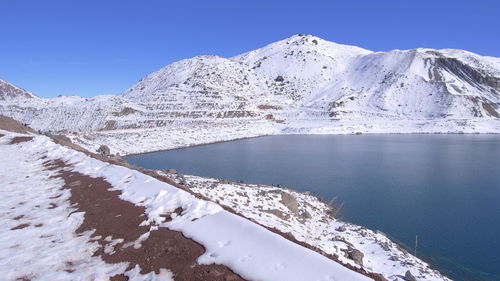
{"x": 104, "y": 150}
{"x": 9, "y": 91}
{"x": 302, "y": 84}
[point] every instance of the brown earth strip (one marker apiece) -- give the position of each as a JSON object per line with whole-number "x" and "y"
{"x": 21, "y": 226}
{"x": 20, "y": 139}
{"x": 107, "y": 215}
{"x": 2, "y": 135}
{"x": 9, "y": 124}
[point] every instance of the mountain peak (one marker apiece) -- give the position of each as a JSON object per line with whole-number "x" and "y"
{"x": 299, "y": 45}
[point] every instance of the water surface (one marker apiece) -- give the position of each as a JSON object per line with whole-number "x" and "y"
{"x": 443, "y": 188}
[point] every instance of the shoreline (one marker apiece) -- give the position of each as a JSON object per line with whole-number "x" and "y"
{"x": 194, "y": 145}
{"x": 129, "y": 142}
{"x": 303, "y": 134}
{"x": 146, "y": 134}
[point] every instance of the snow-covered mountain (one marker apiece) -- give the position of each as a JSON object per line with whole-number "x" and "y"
{"x": 347, "y": 82}
{"x": 292, "y": 85}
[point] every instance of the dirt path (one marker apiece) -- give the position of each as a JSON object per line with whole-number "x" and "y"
{"x": 117, "y": 229}
{"x": 15, "y": 140}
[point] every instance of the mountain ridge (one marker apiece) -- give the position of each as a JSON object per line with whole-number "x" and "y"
{"x": 293, "y": 85}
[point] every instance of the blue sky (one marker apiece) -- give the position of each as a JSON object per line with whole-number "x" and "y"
{"x": 87, "y": 48}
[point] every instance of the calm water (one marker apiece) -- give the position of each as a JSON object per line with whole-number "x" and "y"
{"x": 443, "y": 188}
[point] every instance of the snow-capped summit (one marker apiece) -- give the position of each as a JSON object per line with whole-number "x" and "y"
{"x": 305, "y": 63}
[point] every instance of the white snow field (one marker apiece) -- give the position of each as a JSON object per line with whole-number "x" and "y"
{"x": 46, "y": 252}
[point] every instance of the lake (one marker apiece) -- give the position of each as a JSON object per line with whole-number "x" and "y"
{"x": 443, "y": 188}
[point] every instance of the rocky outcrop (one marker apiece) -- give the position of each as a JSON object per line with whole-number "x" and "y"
{"x": 467, "y": 73}
{"x": 409, "y": 276}
{"x": 104, "y": 150}
{"x": 290, "y": 202}
{"x": 341, "y": 229}
{"x": 355, "y": 255}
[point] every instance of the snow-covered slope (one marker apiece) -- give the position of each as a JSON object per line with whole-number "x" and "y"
{"x": 201, "y": 88}
{"x": 62, "y": 113}
{"x": 414, "y": 84}
{"x": 300, "y": 67}
{"x": 302, "y": 84}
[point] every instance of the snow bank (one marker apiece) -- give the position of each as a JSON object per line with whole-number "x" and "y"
{"x": 258, "y": 254}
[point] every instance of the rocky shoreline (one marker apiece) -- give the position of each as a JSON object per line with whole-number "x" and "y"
{"x": 178, "y": 136}
{"x": 310, "y": 221}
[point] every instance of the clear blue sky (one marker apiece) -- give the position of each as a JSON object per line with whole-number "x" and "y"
{"x": 89, "y": 47}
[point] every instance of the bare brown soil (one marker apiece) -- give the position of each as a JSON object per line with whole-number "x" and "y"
{"x": 9, "y": 124}
{"x": 15, "y": 140}
{"x": 107, "y": 215}
{"x": 21, "y": 226}
{"x": 18, "y": 217}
